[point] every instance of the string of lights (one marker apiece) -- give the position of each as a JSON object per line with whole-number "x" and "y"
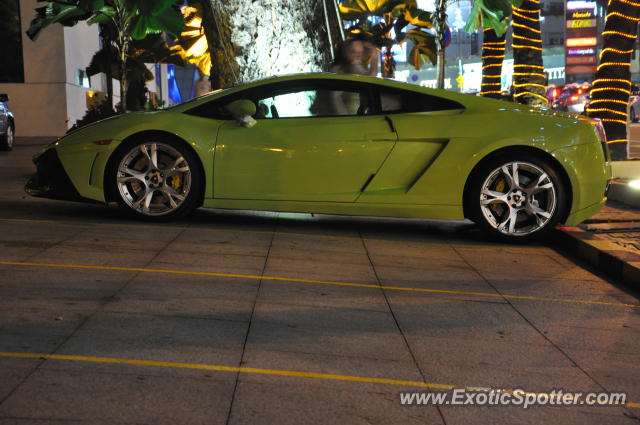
{"x": 535, "y": 40}
{"x": 611, "y": 111}
{"x": 522, "y": 46}
{"x": 628, "y": 92}
{"x": 525, "y": 17}
{"x": 622, "y": 102}
{"x": 623, "y": 34}
{"x": 524, "y": 26}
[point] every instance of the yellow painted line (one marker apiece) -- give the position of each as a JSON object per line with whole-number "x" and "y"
{"x": 265, "y": 232}
{"x": 259, "y": 371}
{"x": 320, "y": 282}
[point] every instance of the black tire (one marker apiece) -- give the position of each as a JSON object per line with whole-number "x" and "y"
{"x": 131, "y": 190}
{"x": 531, "y": 209}
{"x": 8, "y": 139}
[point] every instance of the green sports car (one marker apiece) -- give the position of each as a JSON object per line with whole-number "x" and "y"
{"x": 339, "y": 144}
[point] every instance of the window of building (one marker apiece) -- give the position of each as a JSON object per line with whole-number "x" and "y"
{"x": 12, "y": 66}
{"x": 82, "y": 79}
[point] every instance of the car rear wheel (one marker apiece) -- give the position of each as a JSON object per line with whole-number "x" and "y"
{"x": 515, "y": 198}
{"x": 6, "y": 141}
{"x": 156, "y": 180}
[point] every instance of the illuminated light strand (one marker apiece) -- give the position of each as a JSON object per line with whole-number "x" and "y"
{"x": 631, "y": 3}
{"x": 491, "y": 84}
{"x": 624, "y": 34}
{"x": 611, "y": 88}
{"x": 524, "y": 26}
{"x": 495, "y": 48}
{"x": 611, "y": 80}
{"x": 613, "y": 120}
{"x": 491, "y": 92}
{"x": 532, "y": 94}
{"x": 522, "y": 46}
{"x": 602, "y": 65}
{"x": 492, "y": 76}
{"x": 611, "y": 49}
{"x": 529, "y": 84}
{"x": 491, "y": 65}
{"x": 627, "y": 17}
{"x": 528, "y": 66}
{"x": 530, "y": 73}
{"x": 611, "y": 111}
{"x": 523, "y": 10}
{"x": 535, "y": 1}
{"x": 494, "y": 43}
{"x": 525, "y": 17}
{"x": 535, "y": 40}
{"x": 618, "y": 141}
{"x": 622, "y": 102}
{"x": 493, "y": 57}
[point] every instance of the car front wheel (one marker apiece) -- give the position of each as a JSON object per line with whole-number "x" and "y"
{"x": 156, "y": 180}
{"x": 517, "y": 199}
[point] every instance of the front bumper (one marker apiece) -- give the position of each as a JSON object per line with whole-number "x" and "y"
{"x": 51, "y": 180}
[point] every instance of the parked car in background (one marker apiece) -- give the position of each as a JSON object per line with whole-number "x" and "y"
{"x": 573, "y": 98}
{"x": 7, "y": 125}
{"x": 634, "y": 104}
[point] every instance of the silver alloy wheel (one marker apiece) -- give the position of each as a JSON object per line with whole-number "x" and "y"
{"x": 518, "y": 198}
{"x": 9, "y": 137}
{"x": 154, "y": 179}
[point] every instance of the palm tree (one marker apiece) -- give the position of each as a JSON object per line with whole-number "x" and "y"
{"x": 528, "y": 76}
{"x": 612, "y": 86}
{"x": 128, "y": 20}
{"x": 252, "y": 39}
{"x": 393, "y": 17}
{"x": 492, "y": 16}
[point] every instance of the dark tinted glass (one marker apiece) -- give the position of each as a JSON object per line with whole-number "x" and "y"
{"x": 402, "y": 101}
{"x": 11, "y": 65}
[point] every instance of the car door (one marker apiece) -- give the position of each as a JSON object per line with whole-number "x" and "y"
{"x": 311, "y": 142}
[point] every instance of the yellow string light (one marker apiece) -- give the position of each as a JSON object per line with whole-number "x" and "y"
{"x": 627, "y": 17}
{"x": 535, "y": 40}
{"x": 528, "y": 66}
{"x": 530, "y": 73}
{"x": 532, "y": 94}
{"x": 493, "y": 57}
{"x": 524, "y": 26}
{"x": 613, "y": 64}
{"x": 523, "y": 10}
{"x": 497, "y": 43}
{"x": 491, "y": 65}
{"x": 611, "y": 111}
{"x": 617, "y": 141}
{"x": 522, "y": 46}
{"x": 491, "y": 84}
{"x": 529, "y": 84}
{"x": 491, "y": 92}
{"x": 610, "y": 100}
{"x": 611, "y": 88}
{"x": 525, "y": 17}
{"x": 492, "y": 76}
{"x": 612, "y": 120}
{"x": 631, "y": 3}
{"x": 611, "y": 49}
{"x": 619, "y": 33}
{"x": 493, "y": 48}
{"x": 611, "y": 80}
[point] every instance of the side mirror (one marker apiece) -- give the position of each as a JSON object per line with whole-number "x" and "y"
{"x": 242, "y": 110}
{"x": 4, "y": 97}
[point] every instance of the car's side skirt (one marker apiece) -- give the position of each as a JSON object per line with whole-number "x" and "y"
{"x": 436, "y": 212}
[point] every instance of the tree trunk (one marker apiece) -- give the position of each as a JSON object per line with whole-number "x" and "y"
{"x": 251, "y": 40}
{"x": 441, "y": 19}
{"x": 492, "y": 59}
{"x": 528, "y": 73}
{"x": 611, "y": 88}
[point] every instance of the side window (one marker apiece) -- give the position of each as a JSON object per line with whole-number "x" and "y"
{"x": 401, "y": 101}
{"x": 313, "y": 103}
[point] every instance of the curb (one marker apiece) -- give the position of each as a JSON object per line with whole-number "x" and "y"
{"x": 609, "y": 258}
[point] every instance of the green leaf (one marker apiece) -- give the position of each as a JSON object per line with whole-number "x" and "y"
{"x": 421, "y": 53}
{"x": 104, "y": 15}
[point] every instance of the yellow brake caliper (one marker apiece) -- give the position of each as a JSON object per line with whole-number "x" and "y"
{"x": 176, "y": 182}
